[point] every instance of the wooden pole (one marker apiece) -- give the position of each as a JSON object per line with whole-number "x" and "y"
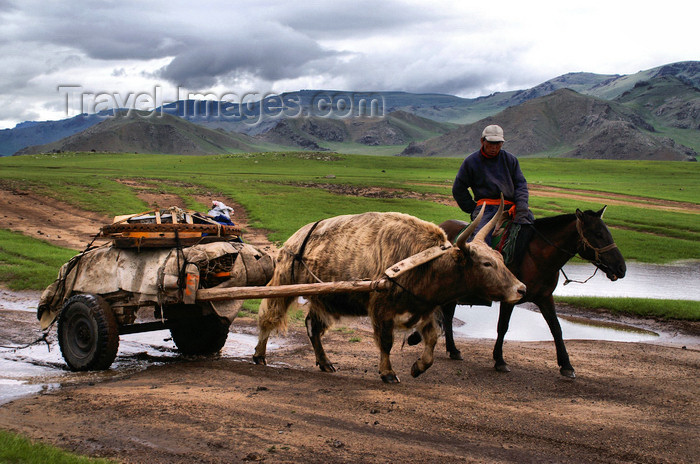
{"x": 244, "y": 293}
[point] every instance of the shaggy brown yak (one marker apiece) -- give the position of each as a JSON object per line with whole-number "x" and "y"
{"x": 363, "y": 246}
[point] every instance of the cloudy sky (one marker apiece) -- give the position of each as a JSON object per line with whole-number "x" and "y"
{"x": 55, "y": 55}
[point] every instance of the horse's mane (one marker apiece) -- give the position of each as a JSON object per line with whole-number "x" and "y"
{"x": 554, "y": 222}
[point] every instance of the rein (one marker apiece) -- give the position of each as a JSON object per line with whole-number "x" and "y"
{"x": 584, "y": 241}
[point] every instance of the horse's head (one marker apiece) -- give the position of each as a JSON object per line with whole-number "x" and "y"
{"x": 597, "y": 245}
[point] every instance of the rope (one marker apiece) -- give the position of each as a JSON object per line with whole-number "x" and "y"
{"x": 43, "y": 338}
{"x": 419, "y": 298}
{"x": 567, "y": 281}
{"x": 61, "y": 287}
{"x": 303, "y": 264}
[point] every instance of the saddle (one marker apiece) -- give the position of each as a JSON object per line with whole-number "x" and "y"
{"x": 511, "y": 240}
{"x": 504, "y": 236}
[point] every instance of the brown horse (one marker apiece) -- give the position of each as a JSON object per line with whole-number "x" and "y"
{"x": 555, "y": 240}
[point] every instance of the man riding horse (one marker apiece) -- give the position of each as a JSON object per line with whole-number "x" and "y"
{"x": 541, "y": 249}
{"x": 489, "y": 172}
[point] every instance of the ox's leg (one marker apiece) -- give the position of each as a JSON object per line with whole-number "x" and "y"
{"x": 384, "y": 336}
{"x": 430, "y": 336}
{"x": 504, "y": 314}
{"x": 448, "y": 313}
{"x": 546, "y": 305}
{"x": 271, "y": 316}
{"x": 315, "y": 328}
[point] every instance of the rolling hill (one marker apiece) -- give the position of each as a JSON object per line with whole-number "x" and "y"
{"x": 155, "y": 134}
{"x": 563, "y": 123}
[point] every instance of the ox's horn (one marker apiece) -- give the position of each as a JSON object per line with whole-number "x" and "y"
{"x": 464, "y": 236}
{"x": 481, "y": 235}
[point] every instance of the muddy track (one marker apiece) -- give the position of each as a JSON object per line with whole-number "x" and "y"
{"x": 604, "y": 198}
{"x": 613, "y": 199}
{"x": 62, "y": 224}
{"x": 631, "y": 403}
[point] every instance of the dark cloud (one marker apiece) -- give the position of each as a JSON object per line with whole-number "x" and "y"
{"x": 105, "y": 30}
{"x": 358, "y": 18}
{"x": 212, "y": 41}
{"x": 267, "y": 55}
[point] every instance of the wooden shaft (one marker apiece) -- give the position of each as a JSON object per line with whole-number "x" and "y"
{"x": 244, "y": 293}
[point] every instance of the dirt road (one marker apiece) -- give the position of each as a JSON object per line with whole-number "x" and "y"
{"x": 630, "y": 402}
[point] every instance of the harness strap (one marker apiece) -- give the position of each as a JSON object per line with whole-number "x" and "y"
{"x": 299, "y": 254}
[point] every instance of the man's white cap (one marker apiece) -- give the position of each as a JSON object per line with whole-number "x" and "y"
{"x": 493, "y": 133}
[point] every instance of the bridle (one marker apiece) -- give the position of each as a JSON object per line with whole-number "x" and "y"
{"x": 583, "y": 241}
{"x": 586, "y": 243}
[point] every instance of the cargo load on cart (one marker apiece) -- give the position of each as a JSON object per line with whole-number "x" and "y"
{"x": 153, "y": 262}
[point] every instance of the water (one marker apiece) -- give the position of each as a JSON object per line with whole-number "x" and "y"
{"x": 680, "y": 281}
{"x": 677, "y": 281}
{"x": 36, "y": 369}
{"x": 529, "y": 326}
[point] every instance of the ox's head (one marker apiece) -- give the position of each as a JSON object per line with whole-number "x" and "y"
{"x": 487, "y": 275}
{"x": 596, "y": 244}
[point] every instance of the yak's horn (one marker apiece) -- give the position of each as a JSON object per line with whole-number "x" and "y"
{"x": 464, "y": 236}
{"x": 481, "y": 235}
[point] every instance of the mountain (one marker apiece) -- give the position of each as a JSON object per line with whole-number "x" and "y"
{"x": 605, "y": 86}
{"x": 664, "y": 97}
{"x": 41, "y": 132}
{"x": 665, "y": 101}
{"x": 397, "y": 128}
{"x": 563, "y": 123}
{"x": 138, "y": 132}
{"x": 260, "y": 116}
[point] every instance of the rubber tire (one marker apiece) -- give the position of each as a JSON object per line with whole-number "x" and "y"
{"x": 202, "y": 335}
{"x": 88, "y": 333}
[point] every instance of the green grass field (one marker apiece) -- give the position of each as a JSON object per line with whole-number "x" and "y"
{"x": 15, "y": 449}
{"x": 665, "y": 309}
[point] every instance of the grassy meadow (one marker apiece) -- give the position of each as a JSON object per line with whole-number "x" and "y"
{"x": 15, "y": 449}
{"x": 283, "y": 191}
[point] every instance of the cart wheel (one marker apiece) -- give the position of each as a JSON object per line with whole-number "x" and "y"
{"x": 88, "y": 333}
{"x": 200, "y": 335}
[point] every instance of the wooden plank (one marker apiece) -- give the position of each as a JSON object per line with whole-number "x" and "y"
{"x": 416, "y": 260}
{"x": 243, "y": 293}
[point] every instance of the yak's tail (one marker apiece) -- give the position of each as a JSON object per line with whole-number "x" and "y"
{"x": 272, "y": 314}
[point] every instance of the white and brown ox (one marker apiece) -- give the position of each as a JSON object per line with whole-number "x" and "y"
{"x": 363, "y": 247}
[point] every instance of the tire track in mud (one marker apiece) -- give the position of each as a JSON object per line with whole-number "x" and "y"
{"x": 63, "y": 224}
{"x": 546, "y": 191}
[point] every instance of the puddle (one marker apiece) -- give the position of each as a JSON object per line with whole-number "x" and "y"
{"x": 31, "y": 370}
{"x": 677, "y": 281}
{"x": 530, "y": 326}
{"x": 35, "y": 369}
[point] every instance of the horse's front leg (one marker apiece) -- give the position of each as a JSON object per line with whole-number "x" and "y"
{"x": 448, "y": 313}
{"x": 546, "y": 305}
{"x": 506, "y": 310}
